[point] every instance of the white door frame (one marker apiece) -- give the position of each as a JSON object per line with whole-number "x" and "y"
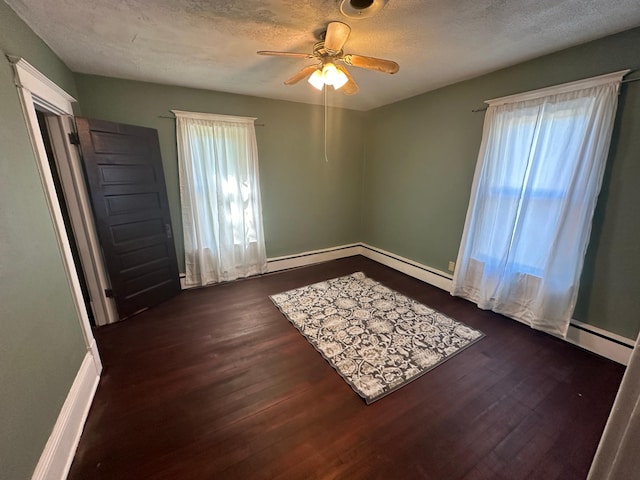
{"x": 37, "y": 91}
{"x": 49, "y": 98}
{"x": 70, "y": 170}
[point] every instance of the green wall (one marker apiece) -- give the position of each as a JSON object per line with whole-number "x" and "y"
{"x": 308, "y": 203}
{"x": 41, "y": 343}
{"x": 421, "y": 156}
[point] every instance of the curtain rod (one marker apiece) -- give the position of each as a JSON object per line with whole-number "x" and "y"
{"x": 628, "y": 80}
{"x": 173, "y": 118}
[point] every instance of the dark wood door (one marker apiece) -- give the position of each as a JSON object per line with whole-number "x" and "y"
{"x": 129, "y": 199}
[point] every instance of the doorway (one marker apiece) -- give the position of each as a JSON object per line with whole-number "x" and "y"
{"x": 80, "y": 229}
{"x": 43, "y": 118}
{"x": 37, "y": 93}
{"x": 106, "y": 287}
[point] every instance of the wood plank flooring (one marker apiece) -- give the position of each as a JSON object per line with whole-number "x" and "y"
{"x": 217, "y": 384}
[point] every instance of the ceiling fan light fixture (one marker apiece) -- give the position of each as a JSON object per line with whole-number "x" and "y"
{"x": 329, "y": 73}
{"x": 317, "y": 79}
{"x": 328, "y": 51}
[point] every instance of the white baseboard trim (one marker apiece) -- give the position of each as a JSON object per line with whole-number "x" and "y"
{"x": 309, "y": 258}
{"x": 607, "y": 344}
{"x": 302, "y": 259}
{"x": 95, "y": 356}
{"x": 58, "y": 453}
{"x": 432, "y": 276}
{"x": 594, "y": 339}
{"x": 597, "y": 340}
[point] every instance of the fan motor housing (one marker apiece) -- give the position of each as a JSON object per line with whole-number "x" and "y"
{"x": 361, "y": 8}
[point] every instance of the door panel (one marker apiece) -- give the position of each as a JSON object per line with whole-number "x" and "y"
{"x": 129, "y": 199}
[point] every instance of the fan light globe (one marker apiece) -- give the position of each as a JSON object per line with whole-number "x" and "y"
{"x": 317, "y": 79}
{"x": 330, "y": 73}
{"x": 340, "y": 80}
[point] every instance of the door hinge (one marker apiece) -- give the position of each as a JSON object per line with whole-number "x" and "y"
{"x": 74, "y": 139}
{"x": 108, "y": 292}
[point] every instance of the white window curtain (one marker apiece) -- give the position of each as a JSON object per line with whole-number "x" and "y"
{"x": 220, "y": 196}
{"x": 537, "y": 179}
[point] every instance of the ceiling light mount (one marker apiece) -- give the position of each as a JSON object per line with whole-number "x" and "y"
{"x": 361, "y": 8}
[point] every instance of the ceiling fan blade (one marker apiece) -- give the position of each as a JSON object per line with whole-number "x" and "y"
{"x": 351, "y": 87}
{"x": 371, "y": 63}
{"x": 305, "y": 72}
{"x": 285, "y": 54}
{"x": 336, "y": 36}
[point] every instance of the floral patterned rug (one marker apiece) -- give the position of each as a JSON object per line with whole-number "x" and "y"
{"x": 377, "y": 339}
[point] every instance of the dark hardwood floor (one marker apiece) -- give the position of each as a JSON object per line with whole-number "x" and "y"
{"x": 217, "y": 384}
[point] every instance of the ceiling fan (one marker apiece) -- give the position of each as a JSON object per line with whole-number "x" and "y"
{"x": 326, "y": 52}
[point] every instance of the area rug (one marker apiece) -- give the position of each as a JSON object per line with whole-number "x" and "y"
{"x": 377, "y": 339}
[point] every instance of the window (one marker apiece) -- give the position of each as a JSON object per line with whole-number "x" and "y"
{"x": 220, "y": 196}
{"x": 539, "y": 172}
{"x": 531, "y": 188}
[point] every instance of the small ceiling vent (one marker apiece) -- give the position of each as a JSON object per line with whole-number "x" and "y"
{"x": 361, "y": 8}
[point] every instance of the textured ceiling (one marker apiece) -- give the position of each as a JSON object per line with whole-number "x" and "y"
{"x": 212, "y": 44}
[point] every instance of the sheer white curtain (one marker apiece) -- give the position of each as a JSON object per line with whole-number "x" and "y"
{"x": 537, "y": 179}
{"x": 220, "y": 196}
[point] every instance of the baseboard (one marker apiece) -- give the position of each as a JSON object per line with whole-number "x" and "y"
{"x": 309, "y": 258}
{"x": 95, "y": 355}
{"x": 604, "y": 343}
{"x": 594, "y": 339}
{"x": 302, "y": 259}
{"x": 432, "y": 276}
{"x": 58, "y": 453}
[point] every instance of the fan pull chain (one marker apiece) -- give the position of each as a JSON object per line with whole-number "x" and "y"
{"x": 326, "y": 159}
